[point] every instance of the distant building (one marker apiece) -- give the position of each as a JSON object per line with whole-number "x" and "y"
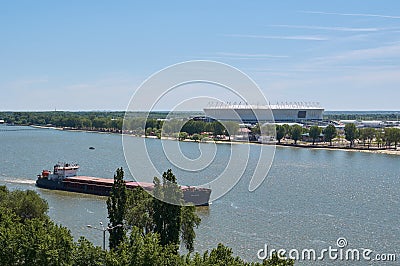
{"x": 360, "y": 124}
{"x": 285, "y": 112}
{"x": 1, "y": 121}
{"x": 373, "y": 124}
{"x": 345, "y": 122}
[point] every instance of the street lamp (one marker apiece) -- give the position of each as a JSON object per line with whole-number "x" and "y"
{"x": 104, "y": 229}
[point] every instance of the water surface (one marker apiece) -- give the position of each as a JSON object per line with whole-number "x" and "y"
{"x": 309, "y": 200}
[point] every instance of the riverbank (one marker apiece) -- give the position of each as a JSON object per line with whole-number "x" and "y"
{"x": 283, "y": 144}
{"x": 342, "y": 148}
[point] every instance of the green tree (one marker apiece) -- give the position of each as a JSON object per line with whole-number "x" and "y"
{"x": 379, "y": 138}
{"x": 367, "y": 134}
{"x": 280, "y": 132}
{"x": 295, "y": 133}
{"x": 396, "y": 137}
{"x": 314, "y": 133}
{"x": 276, "y": 261}
{"x": 351, "y": 133}
{"x": 25, "y": 204}
{"x": 221, "y": 256}
{"x": 183, "y": 136}
{"x": 116, "y": 204}
{"x": 100, "y": 122}
{"x": 330, "y": 133}
{"x": 189, "y": 220}
{"x": 392, "y": 135}
{"x": 149, "y": 131}
{"x": 158, "y": 215}
{"x": 287, "y": 129}
{"x": 3, "y": 194}
{"x": 256, "y": 129}
{"x": 139, "y": 210}
{"x": 196, "y": 137}
{"x": 33, "y": 241}
{"x": 194, "y": 127}
{"x": 167, "y": 209}
{"x": 217, "y": 128}
{"x": 144, "y": 250}
{"x": 86, "y": 254}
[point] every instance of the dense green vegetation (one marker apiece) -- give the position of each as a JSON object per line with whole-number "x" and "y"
{"x": 116, "y": 206}
{"x": 314, "y": 133}
{"x": 133, "y": 123}
{"x": 388, "y": 137}
{"x": 180, "y": 127}
{"x": 29, "y": 237}
{"x": 354, "y": 115}
{"x": 330, "y": 133}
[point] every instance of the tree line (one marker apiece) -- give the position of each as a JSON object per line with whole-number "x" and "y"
{"x": 77, "y": 120}
{"x": 178, "y": 126}
{"x": 153, "y": 228}
{"x": 383, "y": 116}
{"x": 388, "y": 137}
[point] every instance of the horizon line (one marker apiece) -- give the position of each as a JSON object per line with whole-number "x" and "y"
{"x": 142, "y": 111}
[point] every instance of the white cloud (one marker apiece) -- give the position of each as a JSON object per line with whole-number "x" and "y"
{"x": 251, "y": 56}
{"x": 381, "y": 52}
{"x": 347, "y": 29}
{"x": 352, "y": 14}
{"x": 294, "y": 37}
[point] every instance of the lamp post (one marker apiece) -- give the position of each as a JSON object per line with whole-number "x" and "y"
{"x": 104, "y": 229}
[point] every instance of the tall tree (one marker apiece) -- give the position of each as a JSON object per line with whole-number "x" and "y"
{"x": 280, "y": 132}
{"x": 330, "y": 133}
{"x": 116, "y": 204}
{"x": 314, "y": 133}
{"x": 367, "y": 134}
{"x": 167, "y": 209}
{"x": 295, "y": 133}
{"x": 256, "y": 129}
{"x": 351, "y": 133}
{"x": 396, "y": 137}
{"x": 141, "y": 214}
{"x": 189, "y": 220}
{"x": 139, "y": 210}
{"x": 392, "y": 135}
{"x": 379, "y": 137}
{"x": 217, "y": 128}
{"x": 287, "y": 129}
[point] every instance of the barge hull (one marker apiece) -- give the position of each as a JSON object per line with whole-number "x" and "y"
{"x": 102, "y": 187}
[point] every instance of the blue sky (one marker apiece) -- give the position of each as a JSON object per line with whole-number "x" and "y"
{"x": 92, "y": 55}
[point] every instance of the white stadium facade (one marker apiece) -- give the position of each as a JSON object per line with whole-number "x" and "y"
{"x": 252, "y": 114}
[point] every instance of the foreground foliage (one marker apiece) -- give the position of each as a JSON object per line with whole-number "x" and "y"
{"x": 116, "y": 205}
{"x": 29, "y": 237}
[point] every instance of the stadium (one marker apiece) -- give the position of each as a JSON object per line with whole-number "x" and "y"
{"x": 252, "y": 114}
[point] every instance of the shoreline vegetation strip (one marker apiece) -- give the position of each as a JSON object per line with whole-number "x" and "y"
{"x": 290, "y": 145}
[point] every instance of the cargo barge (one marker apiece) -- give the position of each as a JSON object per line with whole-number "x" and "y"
{"x": 64, "y": 177}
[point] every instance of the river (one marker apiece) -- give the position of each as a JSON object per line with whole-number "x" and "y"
{"x": 309, "y": 199}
